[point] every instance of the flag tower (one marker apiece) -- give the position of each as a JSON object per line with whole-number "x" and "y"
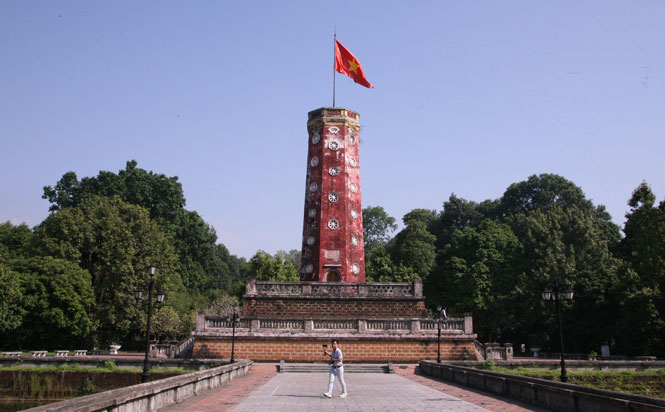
{"x": 332, "y": 244}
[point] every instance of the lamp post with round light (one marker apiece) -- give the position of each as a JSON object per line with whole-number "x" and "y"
{"x": 138, "y": 294}
{"x": 234, "y": 319}
{"x": 440, "y": 316}
{"x": 556, "y": 294}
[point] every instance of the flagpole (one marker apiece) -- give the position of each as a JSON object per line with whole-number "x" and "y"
{"x": 334, "y": 56}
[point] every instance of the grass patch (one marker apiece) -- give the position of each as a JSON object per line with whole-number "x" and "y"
{"x": 647, "y": 383}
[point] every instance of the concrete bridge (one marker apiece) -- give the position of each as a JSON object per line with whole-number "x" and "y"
{"x": 246, "y": 386}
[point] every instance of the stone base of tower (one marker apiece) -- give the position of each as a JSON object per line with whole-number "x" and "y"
{"x": 375, "y": 322}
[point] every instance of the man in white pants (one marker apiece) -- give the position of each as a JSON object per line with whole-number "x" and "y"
{"x": 336, "y": 369}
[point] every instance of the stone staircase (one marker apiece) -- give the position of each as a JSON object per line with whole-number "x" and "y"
{"x": 324, "y": 368}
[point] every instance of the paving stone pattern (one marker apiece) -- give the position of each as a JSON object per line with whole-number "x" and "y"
{"x": 265, "y": 390}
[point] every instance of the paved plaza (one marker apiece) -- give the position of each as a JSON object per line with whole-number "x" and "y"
{"x": 265, "y": 390}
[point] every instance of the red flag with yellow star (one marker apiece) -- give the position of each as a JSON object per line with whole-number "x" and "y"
{"x": 346, "y": 63}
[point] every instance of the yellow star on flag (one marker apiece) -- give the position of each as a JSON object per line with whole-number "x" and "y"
{"x": 353, "y": 65}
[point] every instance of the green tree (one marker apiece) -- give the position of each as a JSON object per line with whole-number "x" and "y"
{"x": 475, "y": 273}
{"x": 12, "y": 303}
{"x": 57, "y": 300}
{"x": 115, "y": 242}
{"x": 266, "y": 267}
{"x": 377, "y": 226}
{"x": 567, "y": 247}
{"x": 641, "y": 326}
{"x": 14, "y": 240}
{"x": 414, "y": 249}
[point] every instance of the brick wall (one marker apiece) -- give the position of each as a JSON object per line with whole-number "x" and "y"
{"x": 356, "y": 350}
{"x": 340, "y": 308}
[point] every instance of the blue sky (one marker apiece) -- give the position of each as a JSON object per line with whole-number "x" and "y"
{"x": 469, "y": 97}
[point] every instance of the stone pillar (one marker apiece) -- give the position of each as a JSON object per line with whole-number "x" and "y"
{"x": 250, "y": 287}
{"x": 508, "y": 349}
{"x": 200, "y": 321}
{"x": 415, "y": 326}
{"x": 362, "y": 325}
{"x": 254, "y": 325}
{"x": 468, "y": 324}
{"x": 417, "y": 287}
{"x": 309, "y": 325}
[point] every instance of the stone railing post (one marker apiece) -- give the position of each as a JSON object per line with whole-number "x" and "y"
{"x": 468, "y": 323}
{"x": 362, "y": 290}
{"x": 362, "y": 325}
{"x": 306, "y": 289}
{"x": 415, "y": 326}
{"x": 250, "y": 287}
{"x": 508, "y": 351}
{"x": 417, "y": 287}
{"x": 253, "y": 325}
{"x": 309, "y": 325}
{"x": 200, "y": 321}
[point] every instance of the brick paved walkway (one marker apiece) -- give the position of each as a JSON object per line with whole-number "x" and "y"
{"x": 407, "y": 390}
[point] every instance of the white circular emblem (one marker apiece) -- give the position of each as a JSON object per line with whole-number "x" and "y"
{"x": 333, "y": 197}
{"x": 333, "y": 171}
{"x": 309, "y": 268}
{"x": 333, "y": 224}
{"x": 313, "y": 187}
{"x": 354, "y": 214}
{"x": 354, "y": 240}
{"x": 311, "y": 240}
{"x": 311, "y": 212}
{"x": 352, "y": 161}
{"x": 355, "y": 268}
{"x": 333, "y": 145}
{"x": 316, "y": 137}
{"x": 352, "y": 140}
{"x": 353, "y": 187}
{"x": 314, "y": 161}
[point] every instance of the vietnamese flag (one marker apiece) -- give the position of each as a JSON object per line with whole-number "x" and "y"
{"x": 346, "y": 63}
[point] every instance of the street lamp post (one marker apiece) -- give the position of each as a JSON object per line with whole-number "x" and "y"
{"x": 160, "y": 298}
{"x": 440, "y": 315}
{"x": 233, "y": 333}
{"x": 556, "y": 295}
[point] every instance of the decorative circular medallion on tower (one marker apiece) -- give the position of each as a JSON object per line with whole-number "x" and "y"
{"x": 355, "y": 268}
{"x": 333, "y": 171}
{"x": 313, "y": 187}
{"x": 353, "y": 162}
{"x": 311, "y": 212}
{"x": 316, "y": 138}
{"x": 333, "y": 145}
{"x": 354, "y": 214}
{"x": 333, "y": 197}
{"x": 353, "y": 187}
{"x": 333, "y": 224}
{"x": 314, "y": 162}
{"x": 354, "y": 240}
{"x": 309, "y": 268}
{"x": 311, "y": 240}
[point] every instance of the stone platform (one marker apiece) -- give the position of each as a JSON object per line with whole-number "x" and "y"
{"x": 375, "y": 322}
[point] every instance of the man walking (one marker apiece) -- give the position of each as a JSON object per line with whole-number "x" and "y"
{"x": 336, "y": 369}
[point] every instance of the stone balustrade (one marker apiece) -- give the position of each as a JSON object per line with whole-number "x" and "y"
{"x": 256, "y": 288}
{"x": 421, "y": 326}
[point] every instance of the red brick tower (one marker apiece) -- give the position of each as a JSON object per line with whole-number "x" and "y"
{"x": 332, "y": 247}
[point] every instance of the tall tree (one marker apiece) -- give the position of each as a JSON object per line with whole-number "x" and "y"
{"x": 641, "y": 323}
{"x": 57, "y": 299}
{"x": 266, "y": 267}
{"x": 377, "y": 227}
{"x": 475, "y": 273}
{"x": 115, "y": 242}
